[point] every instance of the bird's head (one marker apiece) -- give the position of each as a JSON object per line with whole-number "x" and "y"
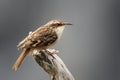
{"x": 57, "y": 23}
{"x": 58, "y": 26}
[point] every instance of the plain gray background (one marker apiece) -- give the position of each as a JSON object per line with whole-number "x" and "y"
{"x": 90, "y": 48}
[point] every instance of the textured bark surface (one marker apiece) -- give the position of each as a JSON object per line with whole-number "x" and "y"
{"x": 52, "y": 64}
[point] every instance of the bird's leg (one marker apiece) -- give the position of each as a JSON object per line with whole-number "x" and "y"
{"x": 50, "y": 53}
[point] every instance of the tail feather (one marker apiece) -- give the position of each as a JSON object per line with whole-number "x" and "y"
{"x": 20, "y": 59}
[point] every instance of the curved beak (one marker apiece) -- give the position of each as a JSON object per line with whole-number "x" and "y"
{"x": 67, "y": 23}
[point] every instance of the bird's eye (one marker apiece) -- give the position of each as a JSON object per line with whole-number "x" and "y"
{"x": 58, "y": 24}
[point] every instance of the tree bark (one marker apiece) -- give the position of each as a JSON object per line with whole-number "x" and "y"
{"x": 52, "y": 64}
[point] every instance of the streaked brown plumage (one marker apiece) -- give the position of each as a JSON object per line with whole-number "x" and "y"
{"x": 42, "y": 38}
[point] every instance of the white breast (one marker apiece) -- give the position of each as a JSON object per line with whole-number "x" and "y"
{"x": 59, "y": 31}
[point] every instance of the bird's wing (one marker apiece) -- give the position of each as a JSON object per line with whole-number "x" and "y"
{"x": 40, "y": 38}
{"x": 44, "y": 38}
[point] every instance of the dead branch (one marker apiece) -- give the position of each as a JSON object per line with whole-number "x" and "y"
{"x": 52, "y": 64}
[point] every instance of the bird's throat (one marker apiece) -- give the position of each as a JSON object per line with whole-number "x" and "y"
{"x": 59, "y": 31}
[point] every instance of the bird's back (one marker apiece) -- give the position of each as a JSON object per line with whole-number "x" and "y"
{"x": 43, "y": 37}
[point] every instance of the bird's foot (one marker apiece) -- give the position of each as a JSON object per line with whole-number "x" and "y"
{"x": 51, "y": 52}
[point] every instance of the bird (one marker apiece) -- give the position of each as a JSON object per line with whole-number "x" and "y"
{"x": 41, "y": 39}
